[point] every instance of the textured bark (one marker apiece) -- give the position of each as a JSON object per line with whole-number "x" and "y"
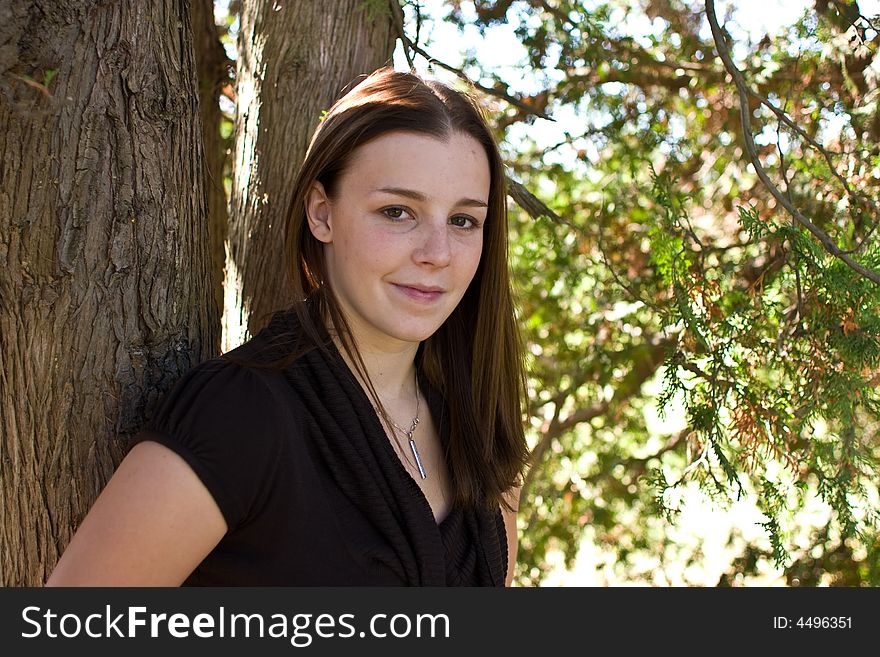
{"x": 213, "y": 69}
{"x": 105, "y": 294}
{"x": 295, "y": 57}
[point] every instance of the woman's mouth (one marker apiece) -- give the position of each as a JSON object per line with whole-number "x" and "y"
{"x": 422, "y": 293}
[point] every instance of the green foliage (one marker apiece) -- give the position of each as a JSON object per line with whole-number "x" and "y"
{"x": 676, "y": 288}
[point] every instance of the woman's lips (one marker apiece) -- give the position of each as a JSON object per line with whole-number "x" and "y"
{"x": 423, "y": 294}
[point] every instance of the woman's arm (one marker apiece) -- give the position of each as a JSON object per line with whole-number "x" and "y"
{"x": 152, "y": 525}
{"x": 512, "y": 497}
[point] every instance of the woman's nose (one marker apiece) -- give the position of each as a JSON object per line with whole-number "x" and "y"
{"x": 434, "y": 248}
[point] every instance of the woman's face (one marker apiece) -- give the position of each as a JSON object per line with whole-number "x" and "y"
{"x": 403, "y": 234}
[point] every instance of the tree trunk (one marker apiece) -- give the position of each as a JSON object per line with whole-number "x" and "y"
{"x": 295, "y": 57}
{"x": 213, "y": 69}
{"x": 105, "y": 277}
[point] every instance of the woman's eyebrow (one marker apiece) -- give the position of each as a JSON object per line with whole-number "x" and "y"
{"x": 418, "y": 196}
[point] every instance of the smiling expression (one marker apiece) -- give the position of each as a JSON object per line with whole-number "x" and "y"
{"x": 403, "y": 232}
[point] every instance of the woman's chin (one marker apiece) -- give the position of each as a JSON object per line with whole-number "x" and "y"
{"x": 417, "y": 332}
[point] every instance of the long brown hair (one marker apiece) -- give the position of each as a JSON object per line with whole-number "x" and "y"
{"x": 475, "y": 358}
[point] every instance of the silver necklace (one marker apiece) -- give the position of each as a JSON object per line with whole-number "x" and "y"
{"x": 409, "y": 433}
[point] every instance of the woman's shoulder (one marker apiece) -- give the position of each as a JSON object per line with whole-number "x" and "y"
{"x": 229, "y": 422}
{"x": 218, "y": 389}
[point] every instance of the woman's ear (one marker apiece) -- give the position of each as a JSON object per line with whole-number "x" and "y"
{"x": 318, "y": 213}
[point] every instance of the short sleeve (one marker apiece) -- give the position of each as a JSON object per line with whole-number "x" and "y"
{"x": 223, "y": 420}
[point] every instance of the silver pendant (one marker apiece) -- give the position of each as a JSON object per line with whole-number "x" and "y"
{"x": 415, "y": 451}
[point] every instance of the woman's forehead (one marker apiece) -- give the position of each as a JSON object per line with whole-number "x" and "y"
{"x": 423, "y": 164}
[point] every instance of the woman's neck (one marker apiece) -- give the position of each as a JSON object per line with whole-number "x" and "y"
{"x": 390, "y": 366}
{"x": 392, "y": 372}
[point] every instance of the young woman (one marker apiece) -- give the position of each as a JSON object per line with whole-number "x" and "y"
{"x": 372, "y": 434}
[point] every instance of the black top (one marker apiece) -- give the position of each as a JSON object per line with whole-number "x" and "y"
{"x": 312, "y": 492}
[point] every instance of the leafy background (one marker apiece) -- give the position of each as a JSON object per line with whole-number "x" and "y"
{"x": 703, "y": 371}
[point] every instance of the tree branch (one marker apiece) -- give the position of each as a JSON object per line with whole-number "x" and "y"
{"x": 641, "y": 462}
{"x": 695, "y": 369}
{"x": 533, "y": 206}
{"x": 866, "y": 203}
{"x": 744, "y": 93}
{"x": 516, "y": 102}
{"x": 397, "y": 17}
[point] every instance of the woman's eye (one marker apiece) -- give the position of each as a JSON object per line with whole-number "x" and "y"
{"x": 462, "y": 221}
{"x": 395, "y": 213}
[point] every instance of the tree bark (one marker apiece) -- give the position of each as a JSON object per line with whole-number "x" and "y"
{"x": 213, "y": 68}
{"x": 105, "y": 278}
{"x": 295, "y": 58}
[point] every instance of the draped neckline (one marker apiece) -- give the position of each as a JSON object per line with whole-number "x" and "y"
{"x": 464, "y": 547}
